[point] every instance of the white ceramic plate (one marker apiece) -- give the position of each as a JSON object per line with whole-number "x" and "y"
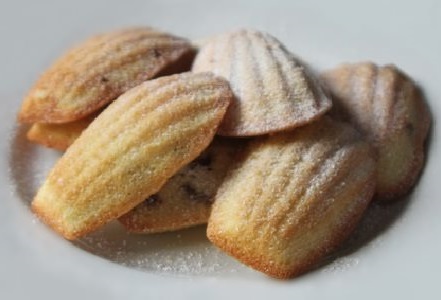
{"x": 395, "y": 252}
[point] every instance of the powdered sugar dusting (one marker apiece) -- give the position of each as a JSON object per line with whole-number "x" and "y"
{"x": 341, "y": 264}
{"x": 183, "y": 253}
{"x": 29, "y": 164}
{"x": 378, "y": 219}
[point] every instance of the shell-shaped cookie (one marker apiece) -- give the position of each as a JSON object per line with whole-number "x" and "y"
{"x": 97, "y": 71}
{"x": 130, "y": 150}
{"x": 185, "y": 200}
{"x": 293, "y": 198}
{"x": 388, "y": 107}
{"x": 273, "y": 89}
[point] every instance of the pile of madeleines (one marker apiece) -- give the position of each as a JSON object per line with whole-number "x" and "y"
{"x": 236, "y": 131}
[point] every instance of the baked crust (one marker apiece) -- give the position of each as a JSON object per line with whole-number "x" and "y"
{"x": 293, "y": 197}
{"x": 58, "y": 136}
{"x": 94, "y": 73}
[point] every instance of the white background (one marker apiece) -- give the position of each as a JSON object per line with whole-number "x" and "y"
{"x": 405, "y": 264}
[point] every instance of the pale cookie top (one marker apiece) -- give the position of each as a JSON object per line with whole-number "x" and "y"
{"x": 389, "y": 109}
{"x": 273, "y": 89}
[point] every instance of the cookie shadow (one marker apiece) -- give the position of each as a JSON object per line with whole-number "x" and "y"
{"x": 380, "y": 217}
{"x": 182, "y": 253}
{"x": 187, "y": 251}
{"x": 23, "y": 159}
{"x": 377, "y": 220}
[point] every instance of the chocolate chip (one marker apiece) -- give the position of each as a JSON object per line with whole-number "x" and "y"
{"x": 156, "y": 53}
{"x": 104, "y": 79}
{"x": 195, "y": 195}
{"x": 203, "y": 160}
{"x": 410, "y": 128}
{"x": 152, "y": 200}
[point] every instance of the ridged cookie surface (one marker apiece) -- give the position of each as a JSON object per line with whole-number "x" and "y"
{"x": 293, "y": 198}
{"x": 185, "y": 200}
{"x": 130, "y": 150}
{"x": 387, "y": 106}
{"x": 99, "y": 70}
{"x": 273, "y": 90}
